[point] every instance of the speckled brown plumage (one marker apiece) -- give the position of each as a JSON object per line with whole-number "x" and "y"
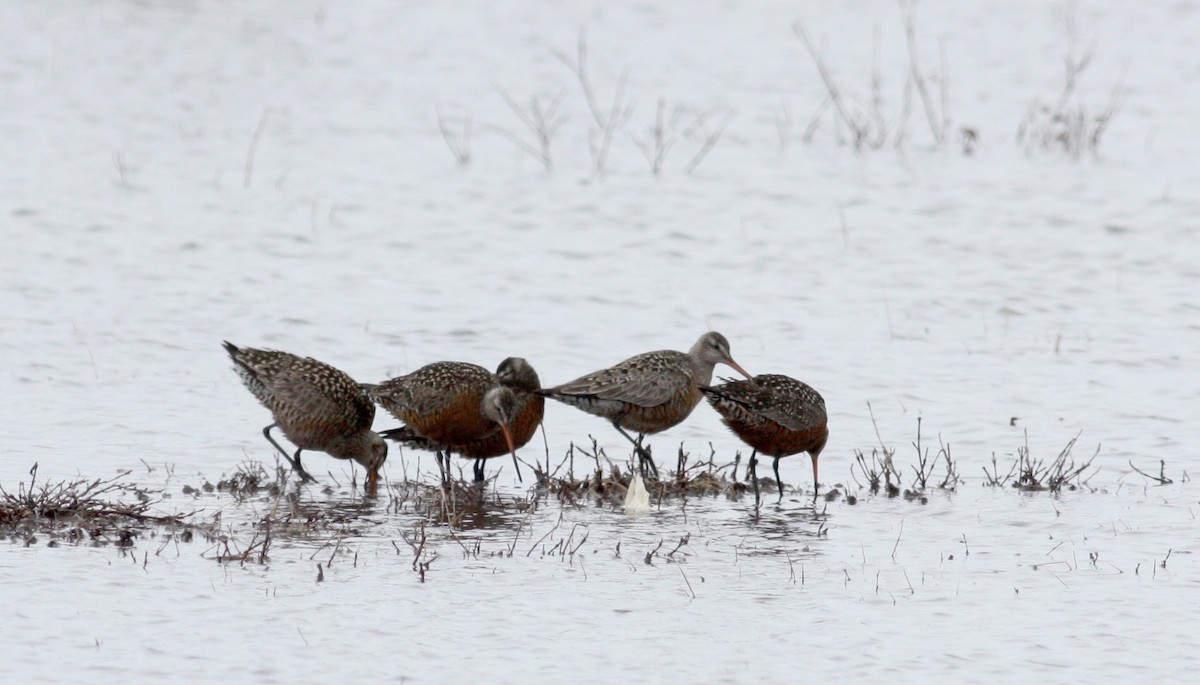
{"x": 774, "y": 414}
{"x": 443, "y": 407}
{"x": 316, "y": 406}
{"x": 440, "y": 402}
{"x": 517, "y": 375}
{"x": 649, "y": 392}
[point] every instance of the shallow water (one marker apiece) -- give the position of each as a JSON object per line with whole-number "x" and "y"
{"x": 996, "y": 295}
{"x": 982, "y": 584}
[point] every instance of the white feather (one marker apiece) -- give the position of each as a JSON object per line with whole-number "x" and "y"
{"x": 637, "y": 498}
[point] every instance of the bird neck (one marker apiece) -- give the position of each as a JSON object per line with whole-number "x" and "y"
{"x": 703, "y": 370}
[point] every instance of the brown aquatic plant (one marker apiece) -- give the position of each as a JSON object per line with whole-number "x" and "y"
{"x": 610, "y": 480}
{"x": 1067, "y": 125}
{"x": 1037, "y": 474}
{"x": 925, "y": 465}
{"x": 85, "y": 508}
{"x": 606, "y": 121}
{"x": 1161, "y": 478}
{"x": 869, "y": 126}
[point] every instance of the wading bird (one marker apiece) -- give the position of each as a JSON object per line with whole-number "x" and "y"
{"x": 775, "y": 415}
{"x": 460, "y": 407}
{"x": 649, "y": 392}
{"x": 316, "y": 406}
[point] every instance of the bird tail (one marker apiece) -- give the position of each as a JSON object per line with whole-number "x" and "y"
{"x": 249, "y": 374}
{"x": 409, "y": 438}
{"x": 717, "y": 395}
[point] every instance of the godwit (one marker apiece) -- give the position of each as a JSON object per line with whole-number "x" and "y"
{"x": 649, "y": 392}
{"x": 775, "y": 415}
{"x": 464, "y": 408}
{"x": 315, "y": 405}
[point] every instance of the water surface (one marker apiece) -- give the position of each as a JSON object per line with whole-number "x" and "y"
{"x": 1002, "y": 296}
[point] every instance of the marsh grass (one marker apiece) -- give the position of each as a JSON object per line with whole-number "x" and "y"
{"x": 879, "y": 472}
{"x": 600, "y": 481}
{"x": 111, "y": 511}
{"x": 1061, "y": 472}
{"x": 905, "y": 105}
{"x": 1066, "y": 123}
{"x": 865, "y": 122}
{"x": 250, "y": 478}
{"x": 607, "y": 481}
{"x": 100, "y": 510}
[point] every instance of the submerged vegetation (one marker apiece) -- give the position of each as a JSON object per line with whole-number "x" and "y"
{"x": 103, "y": 511}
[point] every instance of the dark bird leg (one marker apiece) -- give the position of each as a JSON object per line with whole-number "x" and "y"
{"x": 443, "y": 462}
{"x": 649, "y": 460}
{"x": 752, "y": 475}
{"x": 479, "y": 471}
{"x": 295, "y": 463}
{"x": 816, "y": 485}
{"x": 778, "y": 482}
{"x": 643, "y": 456}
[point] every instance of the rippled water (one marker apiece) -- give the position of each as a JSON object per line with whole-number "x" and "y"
{"x": 993, "y": 295}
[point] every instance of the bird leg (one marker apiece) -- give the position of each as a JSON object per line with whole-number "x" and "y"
{"x": 643, "y": 455}
{"x": 814, "y": 462}
{"x": 778, "y": 482}
{"x": 443, "y": 462}
{"x": 295, "y": 463}
{"x": 478, "y": 470}
{"x": 752, "y": 475}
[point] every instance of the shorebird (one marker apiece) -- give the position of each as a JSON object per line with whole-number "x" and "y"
{"x": 460, "y": 407}
{"x": 649, "y": 392}
{"x": 316, "y": 406}
{"x": 776, "y": 415}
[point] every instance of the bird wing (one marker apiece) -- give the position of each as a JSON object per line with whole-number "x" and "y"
{"x": 440, "y": 401}
{"x": 337, "y": 394}
{"x": 430, "y": 388}
{"x": 795, "y": 405}
{"x": 635, "y": 382}
{"x": 785, "y": 401}
{"x": 796, "y": 418}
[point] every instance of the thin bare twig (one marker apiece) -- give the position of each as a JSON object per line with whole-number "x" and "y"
{"x": 659, "y": 140}
{"x": 710, "y": 140}
{"x": 542, "y": 119}
{"x": 835, "y": 95}
{"x": 908, "y": 8}
{"x": 605, "y": 124}
{"x": 250, "y": 152}
{"x": 460, "y": 144}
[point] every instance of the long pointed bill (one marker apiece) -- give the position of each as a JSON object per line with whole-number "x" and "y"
{"x": 512, "y": 450}
{"x": 815, "y": 484}
{"x": 738, "y": 367}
